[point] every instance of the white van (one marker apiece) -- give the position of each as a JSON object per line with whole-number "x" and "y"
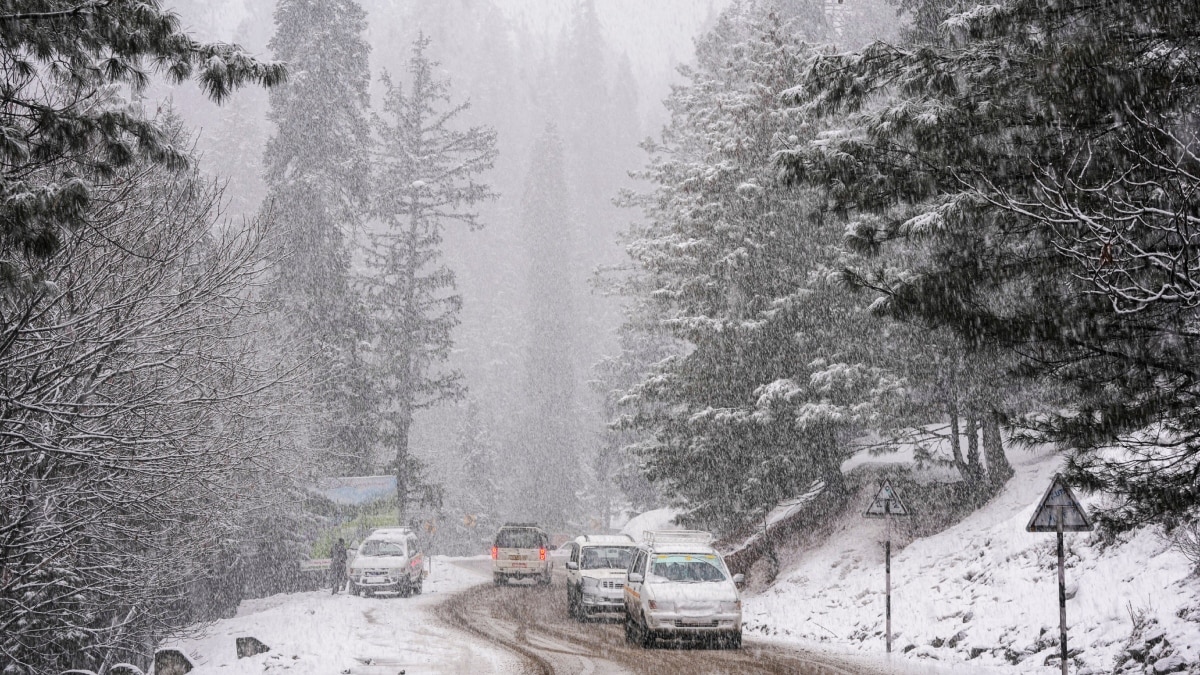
{"x": 596, "y": 567}
{"x": 678, "y": 587}
{"x": 389, "y": 560}
{"x": 519, "y": 552}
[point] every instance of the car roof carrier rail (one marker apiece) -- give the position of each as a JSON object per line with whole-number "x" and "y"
{"x": 653, "y": 537}
{"x": 520, "y": 525}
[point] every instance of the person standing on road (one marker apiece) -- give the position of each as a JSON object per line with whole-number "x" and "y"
{"x": 337, "y": 564}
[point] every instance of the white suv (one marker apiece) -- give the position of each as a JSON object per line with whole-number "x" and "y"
{"x": 596, "y": 567}
{"x": 388, "y": 560}
{"x": 678, "y": 587}
{"x": 519, "y": 552}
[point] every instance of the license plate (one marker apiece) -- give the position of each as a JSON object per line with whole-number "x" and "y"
{"x": 518, "y": 564}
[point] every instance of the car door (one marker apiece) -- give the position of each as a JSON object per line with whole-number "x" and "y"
{"x": 416, "y": 559}
{"x": 633, "y": 589}
{"x": 573, "y": 575}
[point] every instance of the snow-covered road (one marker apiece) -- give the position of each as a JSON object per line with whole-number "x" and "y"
{"x": 323, "y": 634}
{"x": 462, "y": 625}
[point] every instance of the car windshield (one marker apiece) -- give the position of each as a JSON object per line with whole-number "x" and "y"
{"x": 519, "y": 539}
{"x": 688, "y": 568}
{"x": 381, "y": 547}
{"x": 605, "y": 557}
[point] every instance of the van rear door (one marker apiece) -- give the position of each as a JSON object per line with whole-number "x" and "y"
{"x": 519, "y": 549}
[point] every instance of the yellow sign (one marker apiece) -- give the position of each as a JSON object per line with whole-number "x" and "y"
{"x": 469, "y": 520}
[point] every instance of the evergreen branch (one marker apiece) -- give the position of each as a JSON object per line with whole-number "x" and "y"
{"x": 85, "y": 8}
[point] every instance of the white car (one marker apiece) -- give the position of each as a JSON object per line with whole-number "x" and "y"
{"x": 519, "y": 552}
{"x": 596, "y": 566}
{"x": 678, "y": 587}
{"x": 388, "y": 560}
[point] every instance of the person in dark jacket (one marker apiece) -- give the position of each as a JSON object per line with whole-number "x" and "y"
{"x": 337, "y": 564}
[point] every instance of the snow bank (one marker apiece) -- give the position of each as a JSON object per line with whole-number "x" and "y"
{"x": 658, "y": 519}
{"x": 985, "y": 592}
{"x": 322, "y": 634}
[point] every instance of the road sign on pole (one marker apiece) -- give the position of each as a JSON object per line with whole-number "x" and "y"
{"x": 885, "y": 505}
{"x": 1060, "y": 512}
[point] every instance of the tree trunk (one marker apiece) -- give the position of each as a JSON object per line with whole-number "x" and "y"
{"x": 955, "y": 441}
{"x": 974, "y": 467}
{"x": 999, "y": 470}
{"x": 403, "y": 467}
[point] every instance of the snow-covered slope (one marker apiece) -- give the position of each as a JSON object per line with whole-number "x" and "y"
{"x": 983, "y": 593}
{"x": 323, "y": 634}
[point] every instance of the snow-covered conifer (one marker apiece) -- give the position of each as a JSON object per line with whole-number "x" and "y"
{"x": 426, "y": 177}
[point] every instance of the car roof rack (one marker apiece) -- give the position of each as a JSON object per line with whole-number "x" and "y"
{"x": 653, "y": 537}
{"x": 588, "y": 537}
{"x": 521, "y": 525}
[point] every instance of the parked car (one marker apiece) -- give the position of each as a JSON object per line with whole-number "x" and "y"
{"x": 519, "y": 552}
{"x": 388, "y": 560}
{"x": 678, "y": 587}
{"x": 596, "y": 566}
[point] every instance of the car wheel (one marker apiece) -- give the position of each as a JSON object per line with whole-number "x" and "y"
{"x": 351, "y": 588}
{"x": 544, "y": 580}
{"x": 645, "y": 636}
{"x": 573, "y": 604}
{"x": 417, "y": 588}
{"x": 734, "y": 641}
{"x": 629, "y": 629}
{"x": 498, "y": 579}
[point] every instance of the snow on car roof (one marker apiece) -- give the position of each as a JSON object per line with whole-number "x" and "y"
{"x": 605, "y": 540}
{"x": 390, "y": 533}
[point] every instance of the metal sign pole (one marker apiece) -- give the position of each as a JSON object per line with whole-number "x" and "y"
{"x": 887, "y": 563}
{"x": 1062, "y": 592}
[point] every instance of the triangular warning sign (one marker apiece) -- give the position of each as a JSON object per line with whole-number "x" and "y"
{"x": 1059, "y": 504}
{"x": 886, "y": 503}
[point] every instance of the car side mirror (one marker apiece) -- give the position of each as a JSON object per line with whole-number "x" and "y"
{"x": 572, "y": 565}
{"x": 739, "y": 579}
{"x": 635, "y": 577}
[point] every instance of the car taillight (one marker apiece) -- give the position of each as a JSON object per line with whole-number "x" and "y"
{"x": 541, "y": 554}
{"x": 495, "y": 552}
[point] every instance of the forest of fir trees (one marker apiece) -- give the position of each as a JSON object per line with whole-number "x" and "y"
{"x": 828, "y": 245}
{"x": 918, "y": 242}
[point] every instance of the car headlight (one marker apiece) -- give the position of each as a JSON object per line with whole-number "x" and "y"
{"x": 731, "y": 606}
{"x": 590, "y": 584}
{"x": 660, "y": 605}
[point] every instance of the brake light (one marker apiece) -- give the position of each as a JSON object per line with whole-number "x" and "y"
{"x": 541, "y": 554}
{"x": 495, "y": 552}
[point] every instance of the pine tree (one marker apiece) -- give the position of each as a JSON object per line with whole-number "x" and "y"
{"x": 477, "y": 455}
{"x": 1020, "y": 167}
{"x": 316, "y": 173}
{"x": 65, "y": 62}
{"x": 551, "y": 428}
{"x": 766, "y": 391}
{"x": 426, "y": 178}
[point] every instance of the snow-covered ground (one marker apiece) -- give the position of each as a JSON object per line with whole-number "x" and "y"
{"x": 981, "y": 596}
{"x": 323, "y": 634}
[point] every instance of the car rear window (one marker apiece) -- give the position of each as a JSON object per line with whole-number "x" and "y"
{"x": 519, "y": 539}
